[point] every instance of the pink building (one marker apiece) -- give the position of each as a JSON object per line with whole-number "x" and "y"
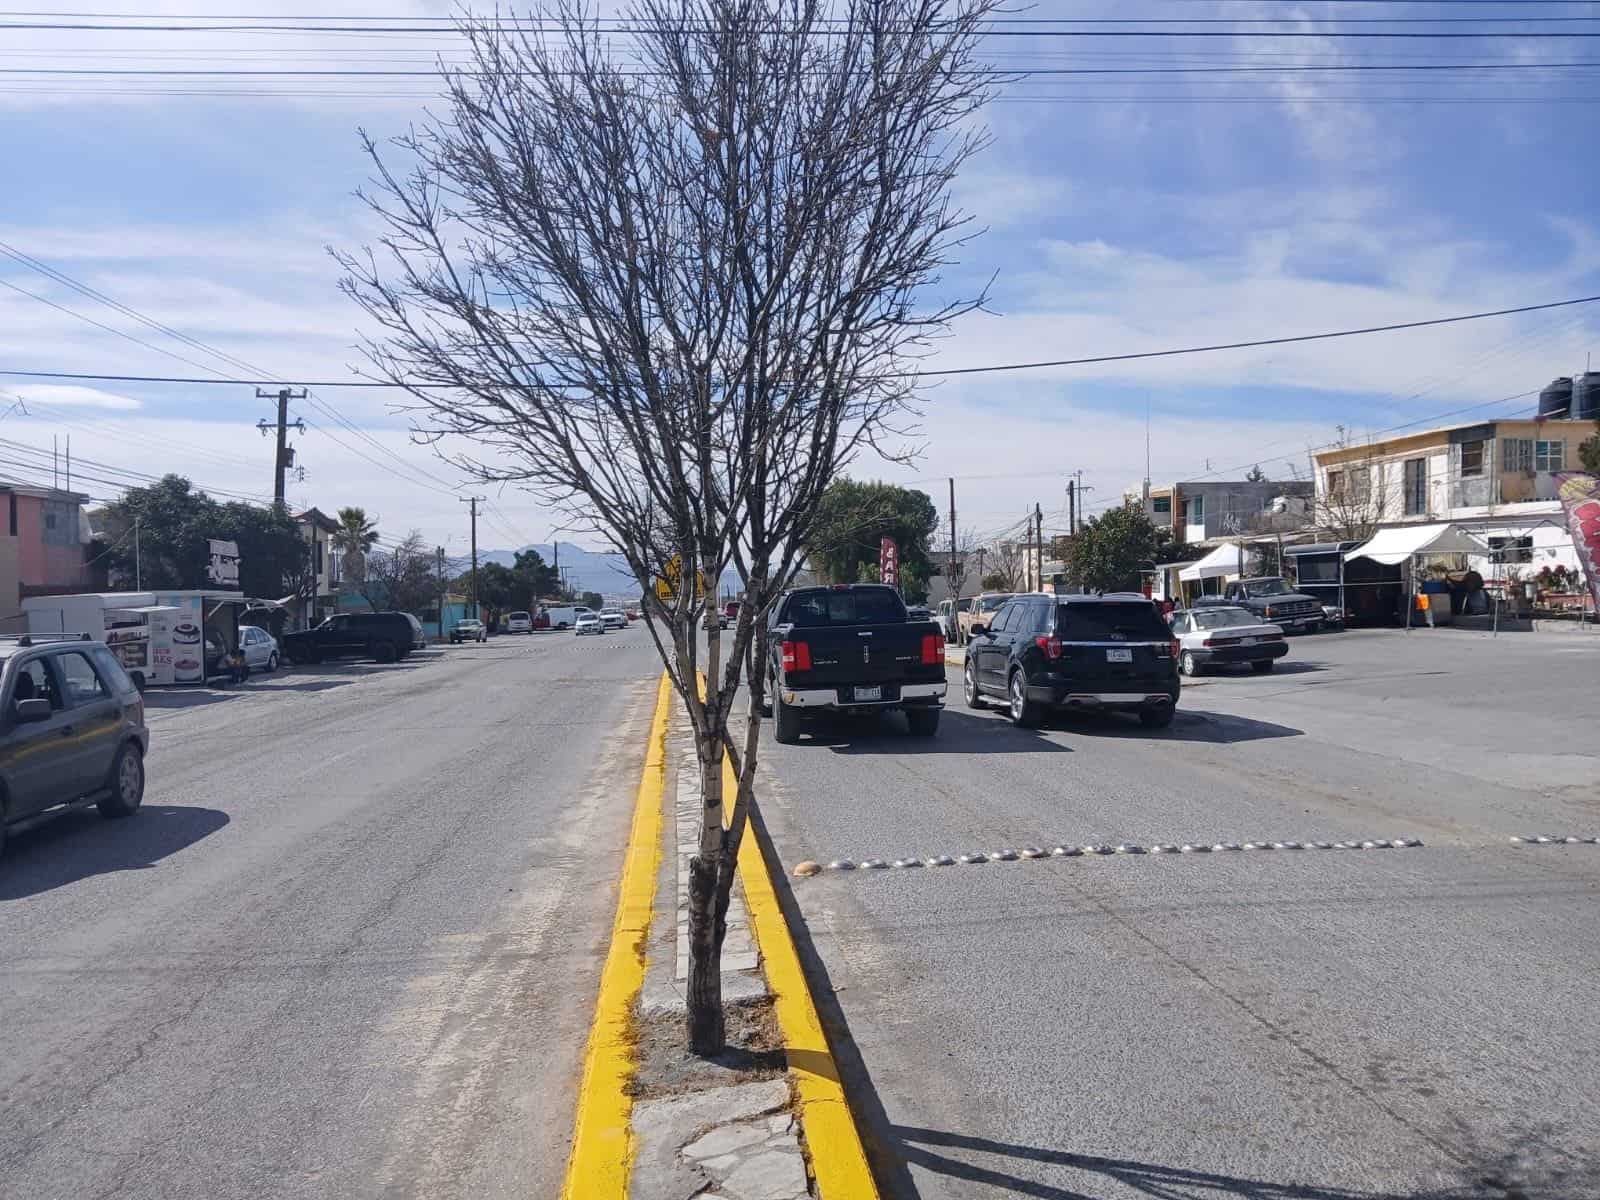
{"x": 43, "y": 535}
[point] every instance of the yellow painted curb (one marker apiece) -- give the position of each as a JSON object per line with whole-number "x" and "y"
{"x": 837, "y": 1156}
{"x": 602, "y": 1143}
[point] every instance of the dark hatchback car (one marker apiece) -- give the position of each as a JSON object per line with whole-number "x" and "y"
{"x": 1056, "y": 652}
{"x": 380, "y": 636}
{"x": 71, "y": 729}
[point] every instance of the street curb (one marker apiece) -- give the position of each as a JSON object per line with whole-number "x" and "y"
{"x": 838, "y": 1157}
{"x": 602, "y": 1142}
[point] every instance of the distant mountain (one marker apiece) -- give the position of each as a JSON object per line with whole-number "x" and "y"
{"x": 590, "y": 570}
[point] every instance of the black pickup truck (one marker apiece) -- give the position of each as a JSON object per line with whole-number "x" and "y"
{"x": 1272, "y": 599}
{"x": 851, "y": 648}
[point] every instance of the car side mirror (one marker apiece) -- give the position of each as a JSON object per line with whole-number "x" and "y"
{"x": 29, "y": 711}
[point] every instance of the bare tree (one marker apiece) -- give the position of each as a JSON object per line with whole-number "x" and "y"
{"x": 402, "y": 578}
{"x": 672, "y": 288}
{"x": 1352, "y": 500}
{"x": 1009, "y": 561}
{"x": 963, "y": 563}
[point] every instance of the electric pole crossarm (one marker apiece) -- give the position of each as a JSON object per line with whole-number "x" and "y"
{"x": 281, "y": 462}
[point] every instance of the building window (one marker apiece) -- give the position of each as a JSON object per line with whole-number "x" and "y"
{"x": 1335, "y": 486}
{"x": 1472, "y": 458}
{"x": 1517, "y": 454}
{"x": 1361, "y": 484}
{"x": 1549, "y": 456}
{"x": 49, "y": 520}
{"x": 13, "y": 514}
{"x": 319, "y": 556}
{"x": 1511, "y": 549}
{"x": 1163, "y": 505}
{"x": 1416, "y": 487}
{"x": 1195, "y": 510}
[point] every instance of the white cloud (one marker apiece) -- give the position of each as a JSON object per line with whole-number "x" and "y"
{"x": 72, "y": 396}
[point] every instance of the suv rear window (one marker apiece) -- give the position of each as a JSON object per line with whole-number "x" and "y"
{"x": 1112, "y": 621}
{"x": 864, "y": 606}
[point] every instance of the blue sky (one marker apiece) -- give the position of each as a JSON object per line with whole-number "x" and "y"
{"x": 1123, "y": 214}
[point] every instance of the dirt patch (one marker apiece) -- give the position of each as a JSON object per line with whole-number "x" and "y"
{"x": 666, "y": 1068}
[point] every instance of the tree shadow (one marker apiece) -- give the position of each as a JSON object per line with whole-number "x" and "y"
{"x": 79, "y": 843}
{"x": 1482, "y": 1177}
{"x": 188, "y": 697}
{"x": 960, "y": 732}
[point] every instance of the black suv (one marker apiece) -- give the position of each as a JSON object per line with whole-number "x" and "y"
{"x": 380, "y": 636}
{"x": 71, "y": 729}
{"x": 1102, "y": 652}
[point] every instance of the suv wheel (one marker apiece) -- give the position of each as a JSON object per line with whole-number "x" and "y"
{"x": 126, "y": 784}
{"x": 384, "y": 652}
{"x": 1024, "y": 712}
{"x": 969, "y": 685}
{"x": 785, "y": 723}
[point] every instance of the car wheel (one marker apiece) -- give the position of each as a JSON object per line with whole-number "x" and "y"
{"x": 924, "y": 722}
{"x": 383, "y": 652}
{"x": 785, "y": 723}
{"x": 1262, "y": 667}
{"x": 1024, "y": 712}
{"x": 1157, "y": 718}
{"x": 272, "y": 662}
{"x": 1187, "y": 665}
{"x": 126, "y": 784}
{"x": 969, "y": 686}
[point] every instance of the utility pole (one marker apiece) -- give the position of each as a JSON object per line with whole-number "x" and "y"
{"x": 1072, "y": 507}
{"x": 950, "y": 571}
{"x": 1038, "y": 525}
{"x": 285, "y": 456}
{"x": 138, "y": 573}
{"x": 443, "y": 592}
{"x": 474, "y": 501}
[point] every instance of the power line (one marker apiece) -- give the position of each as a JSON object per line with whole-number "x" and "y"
{"x": 998, "y": 367}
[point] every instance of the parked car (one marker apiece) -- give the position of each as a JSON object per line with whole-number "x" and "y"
{"x": 1059, "y": 652}
{"x": 979, "y": 612}
{"x": 419, "y": 636}
{"x": 1272, "y": 599}
{"x": 948, "y": 616}
{"x": 566, "y": 616}
{"x": 921, "y": 612}
{"x": 588, "y": 622}
{"x": 469, "y": 629}
{"x": 73, "y": 731}
{"x": 852, "y": 648}
{"x": 730, "y": 613}
{"x": 1218, "y": 634}
{"x": 260, "y": 648}
{"x": 519, "y": 622}
{"x": 613, "y": 618}
{"x": 381, "y": 636}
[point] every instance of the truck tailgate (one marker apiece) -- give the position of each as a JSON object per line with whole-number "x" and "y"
{"x": 866, "y": 654}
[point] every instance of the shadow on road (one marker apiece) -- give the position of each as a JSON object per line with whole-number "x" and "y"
{"x": 187, "y": 697}
{"x": 81, "y": 843}
{"x": 959, "y": 733}
{"x": 1190, "y": 725}
{"x": 1282, "y": 666}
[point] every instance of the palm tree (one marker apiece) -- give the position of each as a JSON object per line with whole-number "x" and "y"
{"x": 355, "y": 536}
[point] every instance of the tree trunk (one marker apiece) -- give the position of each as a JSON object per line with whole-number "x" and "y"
{"x": 707, "y": 919}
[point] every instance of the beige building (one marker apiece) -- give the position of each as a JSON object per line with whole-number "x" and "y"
{"x": 1495, "y": 479}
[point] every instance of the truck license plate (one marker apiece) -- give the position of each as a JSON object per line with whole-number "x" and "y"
{"x": 1119, "y": 656}
{"x": 869, "y": 693}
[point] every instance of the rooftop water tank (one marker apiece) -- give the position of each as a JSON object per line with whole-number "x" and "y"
{"x": 1586, "y": 396}
{"x": 1556, "y": 399}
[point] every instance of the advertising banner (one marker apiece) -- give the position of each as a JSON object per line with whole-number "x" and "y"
{"x": 1580, "y": 498}
{"x": 888, "y": 562}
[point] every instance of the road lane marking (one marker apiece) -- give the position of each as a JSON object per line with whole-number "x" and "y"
{"x": 602, "y": 1143}
{"x": 1092, "y": 850}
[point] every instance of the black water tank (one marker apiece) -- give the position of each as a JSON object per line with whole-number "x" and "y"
{"x": 1586, "y": 396}
{"x": 1556, "y": 399}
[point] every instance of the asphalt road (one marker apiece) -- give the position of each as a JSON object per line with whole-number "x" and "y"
{"x": 1308, "y": 1024}
{"x": 349, "y": 947}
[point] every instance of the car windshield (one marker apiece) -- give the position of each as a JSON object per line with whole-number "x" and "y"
{"x": 1266, "y": 587}
{"x": 993, "y": 603}
{"x": 1221, "y": 618}
{"x": 1117, "y": 620}
{"x": 863, "y": 606}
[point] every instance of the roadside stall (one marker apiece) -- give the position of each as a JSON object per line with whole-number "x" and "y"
{"x": 132, "y": 624}
{"x": 1226, "y": 561}
{"x": 1407, "y": 545}
{"x": 205, "y": 634}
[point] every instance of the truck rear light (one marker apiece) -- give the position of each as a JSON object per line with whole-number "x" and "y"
{"x": 932, "y": 650}
{"x": 1050, "y": 645}
{"x": 796, "y": 656}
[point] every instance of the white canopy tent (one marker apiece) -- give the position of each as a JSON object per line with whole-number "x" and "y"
{"x": 1226, "y": 559}
{"x": 1395, "y": 546}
